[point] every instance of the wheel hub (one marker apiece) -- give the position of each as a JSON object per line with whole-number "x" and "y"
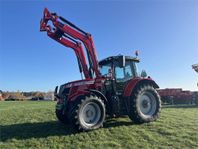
{"x": 90, "y": 114}
{"x": 147, "y": 104}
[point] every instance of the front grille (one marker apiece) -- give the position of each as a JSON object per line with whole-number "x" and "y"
{"x": 66, "y": 91}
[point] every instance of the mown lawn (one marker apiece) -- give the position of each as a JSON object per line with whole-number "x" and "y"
{"x": 34, "y": 125}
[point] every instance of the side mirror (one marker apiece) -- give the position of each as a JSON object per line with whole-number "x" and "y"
{"x": 55, "y": 91}
{"x": 121, "y": 61}
{"x": 143, "y": 74}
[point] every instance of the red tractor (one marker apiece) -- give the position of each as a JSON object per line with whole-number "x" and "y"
{"x": 110, "y": 87}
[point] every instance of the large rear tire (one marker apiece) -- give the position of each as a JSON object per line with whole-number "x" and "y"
{"x": 89, "y": 113}
{"x": 145, "y": 105}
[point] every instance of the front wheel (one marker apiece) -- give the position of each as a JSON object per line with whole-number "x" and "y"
{"x": 61, "y": 117}
{"x": 145, "y": 105}
{"x": 89, "y": 113}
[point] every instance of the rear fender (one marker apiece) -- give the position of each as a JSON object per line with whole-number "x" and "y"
{"x": 134, "y": 83}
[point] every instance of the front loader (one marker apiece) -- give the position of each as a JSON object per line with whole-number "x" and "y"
{"x": 110, "y": 87}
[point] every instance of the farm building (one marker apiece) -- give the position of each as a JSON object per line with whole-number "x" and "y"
{"x": 43, "y": 96}
{"x": 38, "y": 96}
{"x": 178, "y": 96}
{"x": 49, "y": 96}
{"x": 195, "y": 97}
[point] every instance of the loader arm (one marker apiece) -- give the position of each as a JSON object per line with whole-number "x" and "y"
{"x": 70, "y": 29}
{"x": 65, "y": 40}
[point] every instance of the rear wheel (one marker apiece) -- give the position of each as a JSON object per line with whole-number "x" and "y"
{"x": 89, "y": 113}
{"x": 145, "y": 105}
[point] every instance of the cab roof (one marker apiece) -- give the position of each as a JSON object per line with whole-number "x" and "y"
{"x": 114, "y": 58}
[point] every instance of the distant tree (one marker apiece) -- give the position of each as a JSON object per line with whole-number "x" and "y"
{"x": 38, "y": 96}
{"x": 15, "y": 96}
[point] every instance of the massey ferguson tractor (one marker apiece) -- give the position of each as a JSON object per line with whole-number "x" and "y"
{"x": 111, "y": 87}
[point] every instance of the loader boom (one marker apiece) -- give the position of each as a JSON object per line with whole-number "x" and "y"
{"x": 78, "y": 49}
{"x": 67, "y": 28}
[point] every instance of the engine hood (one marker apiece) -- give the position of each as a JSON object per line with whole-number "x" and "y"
{"x": 79, "y": 83}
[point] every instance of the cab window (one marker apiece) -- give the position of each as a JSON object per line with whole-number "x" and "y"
{"x": 119, "y": 72}
{"x": 125, "y": 73}
{"x": 128, "y": 72}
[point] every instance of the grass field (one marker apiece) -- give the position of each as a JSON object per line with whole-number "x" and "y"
{"x": 34, "y": 125}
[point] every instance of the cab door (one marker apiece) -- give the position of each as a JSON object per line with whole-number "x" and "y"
{"x": 122, "y": 76}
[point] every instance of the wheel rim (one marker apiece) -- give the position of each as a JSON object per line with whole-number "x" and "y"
{"x": 147, "y": 104}
{"x": 90, "y": 114}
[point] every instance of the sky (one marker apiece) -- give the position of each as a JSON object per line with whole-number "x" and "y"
{"x": 165, "y": 32}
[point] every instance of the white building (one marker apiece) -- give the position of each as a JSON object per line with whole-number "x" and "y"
{"x": 49, "y": 96}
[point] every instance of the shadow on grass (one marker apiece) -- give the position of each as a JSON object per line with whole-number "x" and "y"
{"x": 45, "y": 129}
{"x": 34, "y": 130}
{"x": 179, "y": 106}
{"x": 116, "y": 123}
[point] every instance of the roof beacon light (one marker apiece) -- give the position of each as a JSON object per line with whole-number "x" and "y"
{"x": 136, "y": 53}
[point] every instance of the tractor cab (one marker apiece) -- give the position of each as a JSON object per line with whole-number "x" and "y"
{"x": 120, "y": 69}
{"x": 123, "y": 68}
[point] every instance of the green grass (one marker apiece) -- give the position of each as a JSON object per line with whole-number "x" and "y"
{"x": 34, "y": 125}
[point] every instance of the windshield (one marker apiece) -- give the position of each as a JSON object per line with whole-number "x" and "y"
{"x": 104, "y": 69}
{"x": 126, "y": 73}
